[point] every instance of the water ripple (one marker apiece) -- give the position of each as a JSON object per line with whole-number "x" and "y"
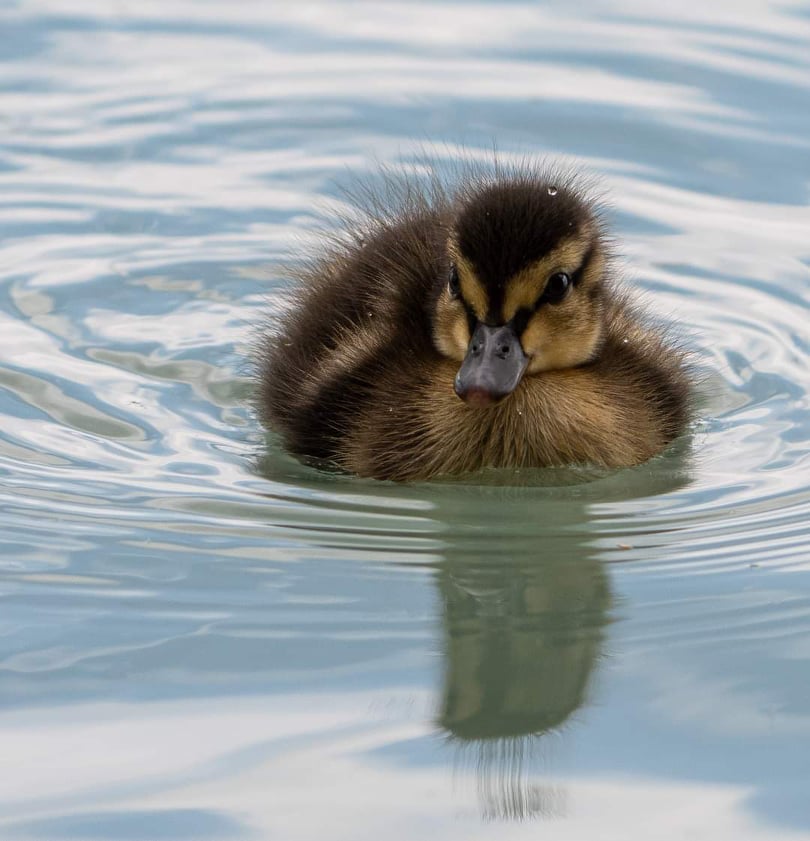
{"x": 159, "y": 161}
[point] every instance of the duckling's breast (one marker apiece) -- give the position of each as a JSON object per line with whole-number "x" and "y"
{"x": 414, "y": 426}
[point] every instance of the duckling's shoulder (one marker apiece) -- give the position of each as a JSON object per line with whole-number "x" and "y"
{"x": 354, "y": 312}
{"x": 377, "y": 269}
{"x": 645, "y": 357}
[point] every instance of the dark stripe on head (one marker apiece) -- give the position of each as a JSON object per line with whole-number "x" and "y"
{"x": 576, "y": 277}
{"x": 472, "y": 318}
{"x": 503, "y": 228}
{"x": 495, "y": 305}
{"x": 521, "y": 319}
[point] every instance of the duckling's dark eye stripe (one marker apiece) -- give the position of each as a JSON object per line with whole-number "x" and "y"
{"x": 551, "y": 294}
{"x": 472, "y": 318}
{"x": 520, "y": 319}
{"x": 576, "y": 277}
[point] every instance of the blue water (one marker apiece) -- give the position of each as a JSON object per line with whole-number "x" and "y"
{"x": 201, "y": 638}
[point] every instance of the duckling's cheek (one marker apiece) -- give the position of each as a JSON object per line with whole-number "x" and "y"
{"x": 451, "y": 333}
{"x": 535, "y": 341}
{"x": 548, "y": 344}
{"x": 558, "y": 338}
{"x": 461, "y": 336}
{"x": 537, "y": 364}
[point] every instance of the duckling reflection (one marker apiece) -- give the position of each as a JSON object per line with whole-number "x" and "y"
{"x": 521, "y": 637}
{"x": 524, "y": 599}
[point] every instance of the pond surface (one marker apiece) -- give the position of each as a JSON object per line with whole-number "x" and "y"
{"x": 201, "y": 638}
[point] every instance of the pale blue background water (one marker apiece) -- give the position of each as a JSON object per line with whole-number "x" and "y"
{"x": 202, "y": 641}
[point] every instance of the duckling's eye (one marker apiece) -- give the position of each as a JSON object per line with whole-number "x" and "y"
{"x": 453, "y": 283}
{"x": 557, "y": 288}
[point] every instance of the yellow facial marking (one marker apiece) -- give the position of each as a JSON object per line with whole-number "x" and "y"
{"x": 450, "y": 331}
{"x": 565, "y": 335}
{"x": 563, "y": 338}
{"x": 472, "y": 290}
{"x": 526, "y": 286}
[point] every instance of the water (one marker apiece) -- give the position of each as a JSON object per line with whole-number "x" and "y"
{"x": 202, "y": 639}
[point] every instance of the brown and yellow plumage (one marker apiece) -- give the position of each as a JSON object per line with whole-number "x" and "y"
{"x": 475, "y": 325}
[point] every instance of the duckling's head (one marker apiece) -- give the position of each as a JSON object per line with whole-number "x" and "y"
{"x": 524, "y": 291}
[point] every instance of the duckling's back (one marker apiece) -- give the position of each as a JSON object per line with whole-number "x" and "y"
{"x": 358, "y": 313}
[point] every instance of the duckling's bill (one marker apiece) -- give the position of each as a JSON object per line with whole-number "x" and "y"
{"x": 493, "y": 367}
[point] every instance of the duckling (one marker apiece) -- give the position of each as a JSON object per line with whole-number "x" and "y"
{"x": 468, "y": 326}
